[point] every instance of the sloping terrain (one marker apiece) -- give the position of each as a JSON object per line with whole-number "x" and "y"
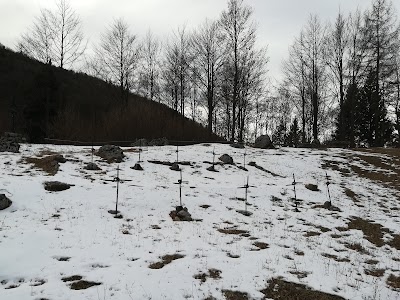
{"x": 65, "y": 245}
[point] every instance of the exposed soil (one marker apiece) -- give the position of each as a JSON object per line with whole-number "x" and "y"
{"x": 83, "y": 285}
{"x": 235, "y": 295}
{"x": 373, "y": 232}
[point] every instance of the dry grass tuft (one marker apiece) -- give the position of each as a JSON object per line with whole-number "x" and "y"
{"x": 235, "y": 295}
{"x": 166, "y": 259}
{"x": 233, "y": 231}
{"x": 375, "y": 272}
{"x": 373, "y": 232}
{"x": 394, "y": 282}
{"x": 279, "y": 289}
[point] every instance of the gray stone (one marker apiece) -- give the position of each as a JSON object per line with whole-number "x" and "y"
{"x": 56, "y": 186}
{"x": 184, "y": 215}
{"x": 111, "y": 153}
{"x": 226, "y": 159}
{"x": 312, "y": 187}
{"x": 175, "y": 167}
{"x": 92, "y": 167}
{"x": 137, "y": 167}
{"x": 4, "y": 202}
{"x": 263, "y": 142}
{"x": 237, "y": 146}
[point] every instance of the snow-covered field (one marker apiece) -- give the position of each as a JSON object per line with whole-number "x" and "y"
{"x": 46, "y": 237}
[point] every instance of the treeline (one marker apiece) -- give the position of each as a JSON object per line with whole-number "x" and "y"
{"x": 40, "y": 100}
{"x": 342, "y": 80}
{"x": 214, "y": 74}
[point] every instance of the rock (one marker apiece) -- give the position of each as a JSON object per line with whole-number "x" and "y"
{"x": 111, "y": 153}
{"x": 59, "y": 158}
{"x": 92, "y": 167}
{"x": 263, "y": 142}
{"x": 237, "y": 145}
{"x": 312, "y": 187}
{"x": 4, "y": 202}
{"x": 175, "y": 167}
{"x": 226, "y": 159}
{"x": 56, "y": 186}
{"x": 211, "y": 168}
{"x": 252, "y": 164}
{"x": 137, "y": 167}
{"x": 181, "y": 214}
{"x": 328, "y": 205}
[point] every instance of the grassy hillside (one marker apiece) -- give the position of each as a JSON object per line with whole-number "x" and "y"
{"x": 40, "y": 101}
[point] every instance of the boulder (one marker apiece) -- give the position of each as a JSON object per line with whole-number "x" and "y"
{"x": 92, "y": 167}
{"x": 175, "y": 167}
{"x": 181, "y": 214}
{"x": 111, "y": 153}
{"x": 56, "y": 186}
{"x": 237, "y": 145}
{"x": 226, "y": 159}
{"x": 4, "y": 202}
{"x": 9, "y": 142}
{"x": 263, "y": 142}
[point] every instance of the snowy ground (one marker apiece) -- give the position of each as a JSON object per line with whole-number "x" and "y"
{"x": 48, "y": 236}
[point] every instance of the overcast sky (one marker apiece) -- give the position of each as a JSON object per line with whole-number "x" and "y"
{"x": 279, "y": 21}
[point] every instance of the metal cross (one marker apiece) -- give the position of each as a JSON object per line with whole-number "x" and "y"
{"x": 294, "y": 183}
{"x": 246, "y": 187}
{"x": 244, "y": 159}
{"x": 327, "y": 186}
{"x": 180, "y": 182}
{"x": 177, "y": 153}
{"x": 117, "y": 180}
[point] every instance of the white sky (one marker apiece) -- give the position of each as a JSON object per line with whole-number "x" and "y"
{"x": 279, "y": 21}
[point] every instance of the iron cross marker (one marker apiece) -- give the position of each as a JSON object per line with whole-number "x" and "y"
{"x": 180, "y": 182}
{"x": 117, "y": 180}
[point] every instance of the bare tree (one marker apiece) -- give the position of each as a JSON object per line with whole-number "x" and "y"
{"x": 39, "y": 40}
{"x": 149, "y": 72}
{"x": 240, "y": 33}
{"x": 177, "y": 68}
{"x": 208, "y": 61}
{"x": 118, "y": 55}
{"x": 55, "y": 36}
{"x": 336, "y": 50}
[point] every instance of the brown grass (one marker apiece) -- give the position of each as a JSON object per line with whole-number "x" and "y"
{"x": 373, "y": 232}
{"x": 47, "y": 164}
{"x": 83, "y": 285}
{"x": 212, "y": 273}
{"x": 235, "y": 295}
{"x": 166, "y": 259}
{"x": 72, "y": 278}
{"x": 335, "y": 257}
{"x": 395, "y": 243}
{"x": 394, "y": 282}
{"x": 357, "y": 247}
{"x": 279, "y": 289}
{"x": 312, "y": 233}
{"x": 233, "y": 231}
{"x": 375, "y": 272}
{"x": 261, "y": 245}
{"x": 349, "y": 193}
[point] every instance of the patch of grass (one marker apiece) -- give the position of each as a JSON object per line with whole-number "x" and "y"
{"x": 71, "y": 278}
{"x": 357, "y": 247}
{"x": 349, "y": 193}
{"x": 395, "y": 242}
{"x": 48, "y": 164}
{"x": 233, "y": 231}
{"x": 335, "y": 257}
{"x": 279, "y": 289}
{"x": 212, "y": 273}
{"x": 205, "y": 206}
{"x": 299, "y": 274}
{"x": 373, "y": 232}
{"x": 375, "y": 272}
{"x": 312, "y": 233}
{"x": 83, "y": 284}
{"x": 235, "y": 295}
{"x": 299, "y": 252}
{"x": 371, "y": 262}
{"x": 166, "y": 259}
{"x": 394, "y": 282}
{"x": 261, "y": 245}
